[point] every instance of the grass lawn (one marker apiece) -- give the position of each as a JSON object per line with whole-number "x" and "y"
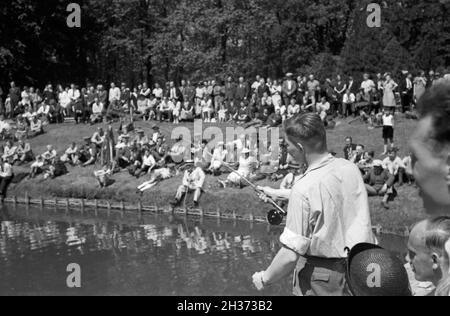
{"x": 80, "y": 183}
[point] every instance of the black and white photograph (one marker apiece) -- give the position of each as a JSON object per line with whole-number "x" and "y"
{"x": 225, "y": 154}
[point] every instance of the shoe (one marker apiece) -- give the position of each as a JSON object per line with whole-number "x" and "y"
{"x": 224, "y": 185}
{"x": 174, "y": 203}
{"x": 195, "y": 204}
{"x": 385, "y": 205}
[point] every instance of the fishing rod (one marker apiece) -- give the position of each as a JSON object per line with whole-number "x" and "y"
{"x": 275, "y": 216}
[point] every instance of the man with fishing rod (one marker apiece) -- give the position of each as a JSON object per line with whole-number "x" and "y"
{"x": 328, "y": 212}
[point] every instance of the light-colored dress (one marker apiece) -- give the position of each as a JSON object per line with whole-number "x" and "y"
{"x": 245, "y": 169}
{"x": 389, "y": 96}
{"x": 420, "y": 84}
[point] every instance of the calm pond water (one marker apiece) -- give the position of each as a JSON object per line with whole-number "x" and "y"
{"x": 122, "y": 254}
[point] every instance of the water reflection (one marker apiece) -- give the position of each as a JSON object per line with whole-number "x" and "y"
{"x": 123, "y": 254}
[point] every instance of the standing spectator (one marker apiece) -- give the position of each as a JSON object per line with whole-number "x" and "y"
{"x": 242, "y": 91}
{"x": 366, "y": 86}
{"x": 158, "y": 92}
{"x": 276, "y": 91}
{"x": 312, "y": 85}
{"x": 389, "y": 97}
{"x": 75, "y": 97}
{"x": 351, "y": 85}
{"x": 114, "y": 101}
{"x": 8, "y": 107}
{"x": 64, "y": 100}
{"x": 420, "y": 84}
{"x": 230, "y": 91}
{"x": 340, "y": 88}
{"x": 348, "y": 103}
{"x": 102, "y": 95}
{"x": 2, "y": 109}
{"x": 48, "y": 94}
{"x": 14, "y": 94}
{"x": 407, "y": 91}
{"x": 388, "y": 129}
{"x": 289, "y": 89}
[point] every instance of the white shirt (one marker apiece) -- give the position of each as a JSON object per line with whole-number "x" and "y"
{"x": 367, "y": 85}
{"x": 6, "y": 170}
{"x": 393, "y": 166}
{"x": 4, "y": 126}
{"x": 194, "y": 180}
{"x": 328, "y": 211}
{"x": 114, "y": 94}
{"x": 74, "y": 94}
{"x": 97, "y": 108}
{"x": 148, "y": 161}
{"x": 349, "y": 98}
{"x": 158, "y": 93}
{"x": 64, "y": 99}
{"x": 388, "y": 120}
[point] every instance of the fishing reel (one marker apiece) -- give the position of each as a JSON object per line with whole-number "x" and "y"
{"x": 275, "y": 217}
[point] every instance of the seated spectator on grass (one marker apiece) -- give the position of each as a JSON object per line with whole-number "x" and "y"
{"x": 349, "y": 148}
{"x": 21, "y": 128}
{"x": 135, "y": 162}
{"x": 348, "y": 103}
{"x": 55, "y": 114}
{"x": 157, "y": 176}
{"x": 218, "y": 158}
{"x": 9, "y": 151}
{"x": 24, "y": 153}
{"x": 243, "y": 114}
{"x": 322, "y": 108}
{"x": 36, "y": 127}
{"x": 380, "y": 183}
{"x": 148, "y": 164}
{"x": 366, "y": 163}
{"x": 49, "y": 155}
{"x": 394, "y": 164}
{"x": 247, "y": 166}
{"x": 37, "y": 167}
{"x": 358, "y": 154}
{"x": 103, "y": 176}
{"x": 5, "y": 128}
{"x": 293, "y": 108}
{"x": 99, "y": 137}
{"x": 43, "y": 112}
{"x": 71, "y": 155}
{"x": 97, "y": 112}
{"x": 275, "y": 119}
{"x": 56, "y": 169}
{"x": 6, "y": 176}
{"x": 165, "y": 110}
{"x": 193, "y": 180}
{"x": 177, "y": 152}
{"x": 284, "y": 192}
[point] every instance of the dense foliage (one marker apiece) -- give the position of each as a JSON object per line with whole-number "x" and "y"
{"x": 136, "y": 40}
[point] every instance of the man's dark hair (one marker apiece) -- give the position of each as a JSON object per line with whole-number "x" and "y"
{"x": 435, "y": 103}
{"x": 307, "y": 129}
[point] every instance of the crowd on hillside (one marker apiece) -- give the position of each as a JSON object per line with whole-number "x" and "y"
{"x": 25, "y": 113}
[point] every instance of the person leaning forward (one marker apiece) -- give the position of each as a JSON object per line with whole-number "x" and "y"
{"x": 328, "y": 211}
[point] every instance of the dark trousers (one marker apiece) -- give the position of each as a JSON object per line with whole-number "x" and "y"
{"x": 321, "y": 277}
{"x": 4, "y": 184}
{"x": 406, "y": 102}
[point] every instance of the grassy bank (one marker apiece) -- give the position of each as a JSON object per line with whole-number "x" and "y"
{"x": 80, "y": 183}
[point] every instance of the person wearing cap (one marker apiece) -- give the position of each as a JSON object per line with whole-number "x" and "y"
{"x": 328, "y": 211}
{"x": 247, "y": 165}
{"x": 218, "y": 158}
{"x": 289, "y": 88}
{"x": 427, "y": 253}
{"x": 193, "y": 180}
{"x": 379, "y": 182}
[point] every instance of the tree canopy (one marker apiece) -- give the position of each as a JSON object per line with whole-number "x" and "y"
{"x": 154, "y": 40}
